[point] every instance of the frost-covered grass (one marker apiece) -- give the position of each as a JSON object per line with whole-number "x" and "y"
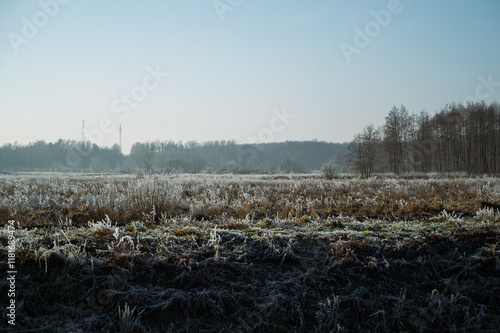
{"x": 42, "y": 199}
{"x": 225, "y": 253}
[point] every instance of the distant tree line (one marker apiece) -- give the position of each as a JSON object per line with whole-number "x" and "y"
{"x": 230, "y": 157}
{"x": 63, "y": 155}
{"x": 171, "y": 157}
{"x": 458, "y": 138}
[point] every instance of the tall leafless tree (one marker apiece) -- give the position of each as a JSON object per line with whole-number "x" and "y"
{"x": 365, "y": 150}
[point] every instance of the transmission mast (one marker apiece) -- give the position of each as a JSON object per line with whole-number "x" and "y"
{"x": 83, "y": 131}
{"x": 121, "y": 151}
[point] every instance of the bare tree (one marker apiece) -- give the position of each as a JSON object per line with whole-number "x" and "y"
{"x": 423, "y": 143}
{"x": 365, "y": 150}
{"x": 147, "y": 156}
{"x": 397, "y": 133}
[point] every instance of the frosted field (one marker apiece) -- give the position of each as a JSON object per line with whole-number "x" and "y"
{"x": 128, "y": 197}
{"x": 287, "y": 253}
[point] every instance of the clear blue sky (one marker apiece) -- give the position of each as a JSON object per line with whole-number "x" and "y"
{"x": 231, "y": 70}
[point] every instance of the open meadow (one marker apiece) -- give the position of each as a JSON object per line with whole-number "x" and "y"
{"x": 252, "y": 253}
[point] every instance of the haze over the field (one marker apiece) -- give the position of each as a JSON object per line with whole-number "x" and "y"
{"x": 252, "y": 71}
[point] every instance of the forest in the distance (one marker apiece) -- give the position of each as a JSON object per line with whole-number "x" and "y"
{"x": 171, "y": 157}
{"x": 458, "y": 138}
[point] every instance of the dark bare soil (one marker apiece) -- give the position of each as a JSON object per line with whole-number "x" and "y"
{"x": 305, "y": 283}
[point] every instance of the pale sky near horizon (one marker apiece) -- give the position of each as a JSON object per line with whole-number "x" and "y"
{"x": 233, "y": 68}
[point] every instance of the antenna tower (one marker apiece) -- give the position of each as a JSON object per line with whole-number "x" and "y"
{"x": 121, "y": 138}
